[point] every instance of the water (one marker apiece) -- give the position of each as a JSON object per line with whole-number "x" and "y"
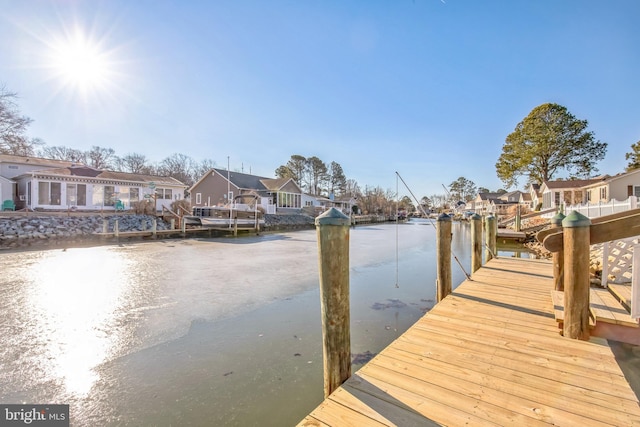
{"x": 201, "y": 331}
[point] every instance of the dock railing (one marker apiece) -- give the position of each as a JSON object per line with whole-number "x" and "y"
{"x": 573, "y": 242}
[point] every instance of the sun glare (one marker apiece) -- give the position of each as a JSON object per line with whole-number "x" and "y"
{"x": 81, "y": 63}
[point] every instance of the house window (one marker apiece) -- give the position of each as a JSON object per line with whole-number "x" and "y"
{"x": 49, "y": 193}
{"x": 168, "y": 194}
{"x": 588, "y": 195}
{"x": 603, "y": 193}
{"x": 636, "y": 191}
{"x": 43, "y": 193}
{"x": 556, "y": 198}
{"x": 82, "y": 194}
{"x": 198, "y": 198}
{"x": 134, "y": 194}
{"x": 109, "y": 195}
{"x": 289, "y": 200}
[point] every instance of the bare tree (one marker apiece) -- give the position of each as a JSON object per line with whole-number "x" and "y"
{"x": 102, "y": 158}
{"x": 178, "y": 166}
{"x": 13, "y": 127}
{"x": 64, "y": 153}
{"x": 317, "y": 172}
{"x": 134, "y": 163}
{"x": 200, "y": 169}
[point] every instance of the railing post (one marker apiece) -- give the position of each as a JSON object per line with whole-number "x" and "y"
{"x": 558, "y": 257}
{"x": 518, "y": 221}
{"x": 333, "y": 256}
{"x": 443, "y": 254}
{"x": 490, "y": 230}
{"x": 576, "y": 240}
{"x": 476, "y": 242}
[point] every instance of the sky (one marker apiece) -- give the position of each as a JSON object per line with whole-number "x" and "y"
{"x": 424, "y": 89}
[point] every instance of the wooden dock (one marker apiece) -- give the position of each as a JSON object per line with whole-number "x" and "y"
{"x": 490, "y": 353}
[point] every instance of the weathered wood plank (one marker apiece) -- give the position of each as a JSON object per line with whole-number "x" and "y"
{"x": 488, "y": 354}
{"x": 608, "y": 309}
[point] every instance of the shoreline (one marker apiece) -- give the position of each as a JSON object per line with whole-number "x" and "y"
{"x": 42, "y": 231}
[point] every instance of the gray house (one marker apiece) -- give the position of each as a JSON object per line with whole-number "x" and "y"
{"x": 219, "y": 187}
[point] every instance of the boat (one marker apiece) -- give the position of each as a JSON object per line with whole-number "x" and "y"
{"x": 237, "y": 214}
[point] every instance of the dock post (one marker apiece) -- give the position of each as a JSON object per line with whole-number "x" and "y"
{"x": 184, "y": 227}
{"x": 154, "y": 227}
{"x": 116, "y": 228}
{"x": 518, "y": 221}
{"x": 576, "y": 240}
{"x": 173, "y": 223}
{"x": 105, "y": 225}
{"x": 558, "y": 257}
{"x": 333, "y": 256}
{"x": 235, "y": 226}
{"x": 476, "y": 242}
{"x": 443, "y": 254}
{"x": 490, "y": 237}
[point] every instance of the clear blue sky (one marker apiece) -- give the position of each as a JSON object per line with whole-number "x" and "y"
{"x": 428, "y": 88}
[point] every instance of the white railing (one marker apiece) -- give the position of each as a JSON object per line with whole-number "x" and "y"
{"x": 595, "y": 210}
{"x": 618, "y": 259}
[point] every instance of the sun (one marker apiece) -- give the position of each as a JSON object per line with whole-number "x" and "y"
{"x": 81, "y": 63}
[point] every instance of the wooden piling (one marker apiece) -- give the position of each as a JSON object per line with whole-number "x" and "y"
{"x": 443, "y": 254}
{"x": 116, "y": 228}
{"x": 105, "y": 226}
{"x": 576, "y": 240}
{"x": 333, "y": 257}
{"x": 518, "y": 221}
{"x": 558, "y": 257}
{"x": 491, "y": 231}
{"x": 476, "y": 242}
{"x": 154, "y": 228}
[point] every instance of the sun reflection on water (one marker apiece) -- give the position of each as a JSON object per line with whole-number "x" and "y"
{"x": 76, "y": 297}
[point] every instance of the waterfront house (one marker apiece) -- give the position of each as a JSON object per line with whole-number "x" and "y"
{"x": 565, "y": 192}
{"x": 80, "y": 187}
{"x": 618, "y": 187}
{"x": 12, "y": 166}
{"x": 536, "y": 196}
{"x": 218, "y": 187}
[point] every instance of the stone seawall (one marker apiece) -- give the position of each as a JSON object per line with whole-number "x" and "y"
{"x": 36, "y": 231}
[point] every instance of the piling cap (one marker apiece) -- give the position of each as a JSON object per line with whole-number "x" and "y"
{"x": 475, "y": 217}
{"x": 332, "y": 217}
{"x": 576, "y": 219}
{"x": 443, "y": 217}
{"x": 557, "y": 219}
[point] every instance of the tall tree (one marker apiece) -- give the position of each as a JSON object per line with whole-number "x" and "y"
{"x": 13, "y": 127}
{"x": 64, "y": 153}
{"x": 633, "y": 157}
{"x": 337, "y": 180}
{"x": 134, "y": 163}
{"x": 200, "y": 169}
{"x": 297, "y": 167}
{"x": 178, "y": 166}
{"x": 462, "y": 189}
{"x": 317, "y": 172}
{"x": 548, "y": 140}
{"x": 102, "y": 158}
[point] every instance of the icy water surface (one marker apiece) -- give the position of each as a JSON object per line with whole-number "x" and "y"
{"x": 201, "y": 332}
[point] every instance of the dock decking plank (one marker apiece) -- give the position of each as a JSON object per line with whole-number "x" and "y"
{"x": 488, "y": 354}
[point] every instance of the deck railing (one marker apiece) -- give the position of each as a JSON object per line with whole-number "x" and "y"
{"x": 595, "y": 210}
{"x": 572, "y": 243}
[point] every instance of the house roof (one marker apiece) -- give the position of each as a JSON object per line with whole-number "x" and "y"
{"x": 489, "y": 196}
{"x": 571, "y": 183}
{"x": 38, "y": 161}
{"x": 92, "y": 173}
{"x": 242, "y": 180}
{"x": 608, "y": 178}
